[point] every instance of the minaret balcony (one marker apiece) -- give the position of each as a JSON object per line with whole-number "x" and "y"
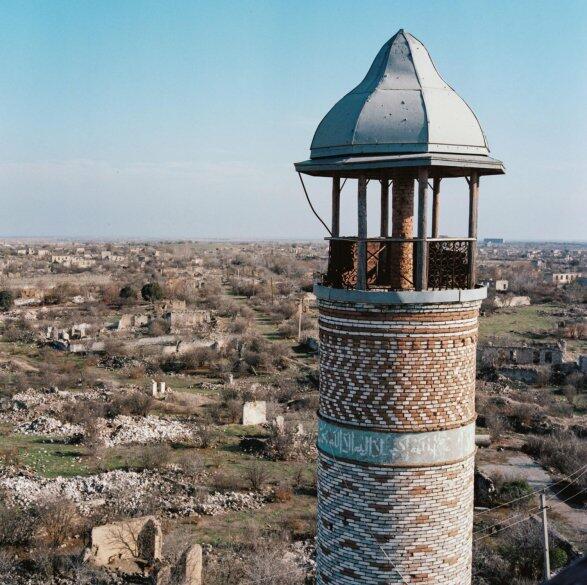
{"x": 397, "y": 264}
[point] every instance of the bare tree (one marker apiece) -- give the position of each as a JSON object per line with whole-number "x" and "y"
{"x": 257, "y": 475}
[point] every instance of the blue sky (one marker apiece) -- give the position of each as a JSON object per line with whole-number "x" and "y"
{"x": 177, "y": 119}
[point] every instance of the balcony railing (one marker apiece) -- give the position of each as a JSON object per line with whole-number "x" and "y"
{"x": 395, "y": 264}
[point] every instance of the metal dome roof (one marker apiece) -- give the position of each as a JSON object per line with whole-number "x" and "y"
{"x": 402, "y": 106}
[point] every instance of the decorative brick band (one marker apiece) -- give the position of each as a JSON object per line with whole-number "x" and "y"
{"x": 398, "y": 368}
{"x": 400, "y": 526}
{"x": 396, "y": 449}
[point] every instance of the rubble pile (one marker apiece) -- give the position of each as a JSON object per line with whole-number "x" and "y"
{"x": 220, "y": 502}
{"x": 26, "y": 405}
{"x": 125, "y": 430}
{"x": 303, "y": 555}
{"x": 28, "y": 399}
{"x": 78, "y": 576}
{"x": 122, "y": 430}
{"x": 127, "y": 492}
{"x": 26, "y": 488}
{"x": 49, "y": 426}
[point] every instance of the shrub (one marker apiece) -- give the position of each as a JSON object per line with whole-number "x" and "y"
{"x": 58, "y": 295}
{"x": 508, "y": 489}
{"x": 282, "y": 493}
{"x": 10, "y": 456}
{"x": 234, "y": 410}
{"x": 257, "y": 475}
{"x": 288, "y": 444}
{"x": 570, "y": 393}
{"x": 228, "y": 412}
{"x": 563, "y": 451}
{"x": 239, "y": 325}
{"x": 57, "y": 521}
{"x": 18, "y": 332}
{"x": 270, "y": 565}
{"x": 521, "y": 547}
{"x": 558, "y": 558}
{"x": 131, "y": 403}
{"x": 127, "y": 293}
{"x": 298, "y": 478}
{"x": 158, "y": 327}
{"x": 152, "y": 291}
{"x": 205, "y": 436}
{"x": 199, "y": 357}
{"x": 6, "y": 300}
{"x": 288, "y": 329}
{"x": 16, "y": 526}
{"x": 153, "y": 456}
{"x": 93, "y": 438}
{"x": 190, "y": 462}
{"x": 225, "y": 481}
{"x": 497, "y": 424}
{"x": 82, "y": 412}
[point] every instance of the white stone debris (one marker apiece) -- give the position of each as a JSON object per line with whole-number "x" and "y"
{"x": 125, "y": 430}
{"x": 220, "y": 502}
{"x": 122, "y": 430}
{"x": 49, "y": 426}
{"x": 168, "y": 491}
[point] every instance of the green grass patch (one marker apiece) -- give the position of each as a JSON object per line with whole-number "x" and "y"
{"x": 520, "y": 322}
{"x": 524, "y": 324}
{"x": 46, "y": 457}
{"x": 298, "y": 516}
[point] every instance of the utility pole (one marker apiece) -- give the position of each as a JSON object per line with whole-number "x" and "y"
{"x": 545, "y": 530}
{"x": 300, "y": 320}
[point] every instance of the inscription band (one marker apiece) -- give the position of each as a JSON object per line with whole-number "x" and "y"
{"x": 396, "y": 448}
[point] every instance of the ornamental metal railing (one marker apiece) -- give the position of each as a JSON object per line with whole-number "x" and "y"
{"x": 400, "y": 264}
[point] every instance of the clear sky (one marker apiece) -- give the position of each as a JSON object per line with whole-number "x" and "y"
{"x": 181, "y": 119}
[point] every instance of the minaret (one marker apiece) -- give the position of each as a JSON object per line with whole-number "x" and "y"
{"x": 398, "y": 330}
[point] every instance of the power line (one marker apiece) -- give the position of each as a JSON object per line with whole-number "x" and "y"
{"x": 574, "y": 495}
{"x": 569, "y": 485}
{"x": 551, "y": 497}
{"x": 527, "y": 518}
{"x": 486, "y": 528}
{"x": 533, "y": 493}
{"x": 506, "y": 527}
{"x": 311, "y": 206}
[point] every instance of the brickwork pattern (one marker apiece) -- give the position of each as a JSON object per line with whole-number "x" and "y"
{"x": 398, "y": 367}
{"x": 402, "y": 262}
{"x": 374, "y": 521}
{"x": 402, "y": 368}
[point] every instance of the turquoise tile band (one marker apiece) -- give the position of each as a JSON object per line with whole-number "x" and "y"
{"x": 402, "y": 449}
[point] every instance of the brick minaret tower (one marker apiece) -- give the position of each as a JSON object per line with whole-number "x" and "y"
{"x": 398, "y": 330}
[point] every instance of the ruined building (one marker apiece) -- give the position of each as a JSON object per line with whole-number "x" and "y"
{"x": 398, "y": 330}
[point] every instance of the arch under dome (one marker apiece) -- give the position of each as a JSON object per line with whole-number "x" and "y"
{"x": 402, "y": 106}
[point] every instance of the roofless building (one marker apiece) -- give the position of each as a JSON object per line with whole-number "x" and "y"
{"x": 398, "y": 330}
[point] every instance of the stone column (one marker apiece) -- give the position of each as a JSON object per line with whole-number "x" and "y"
{"x": 402, "y": 226}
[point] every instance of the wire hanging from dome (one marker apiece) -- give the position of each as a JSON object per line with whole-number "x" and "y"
{"x": 311, "y": 206}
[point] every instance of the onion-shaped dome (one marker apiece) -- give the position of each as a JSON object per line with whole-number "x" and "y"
{"x": 402, "y": 106}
